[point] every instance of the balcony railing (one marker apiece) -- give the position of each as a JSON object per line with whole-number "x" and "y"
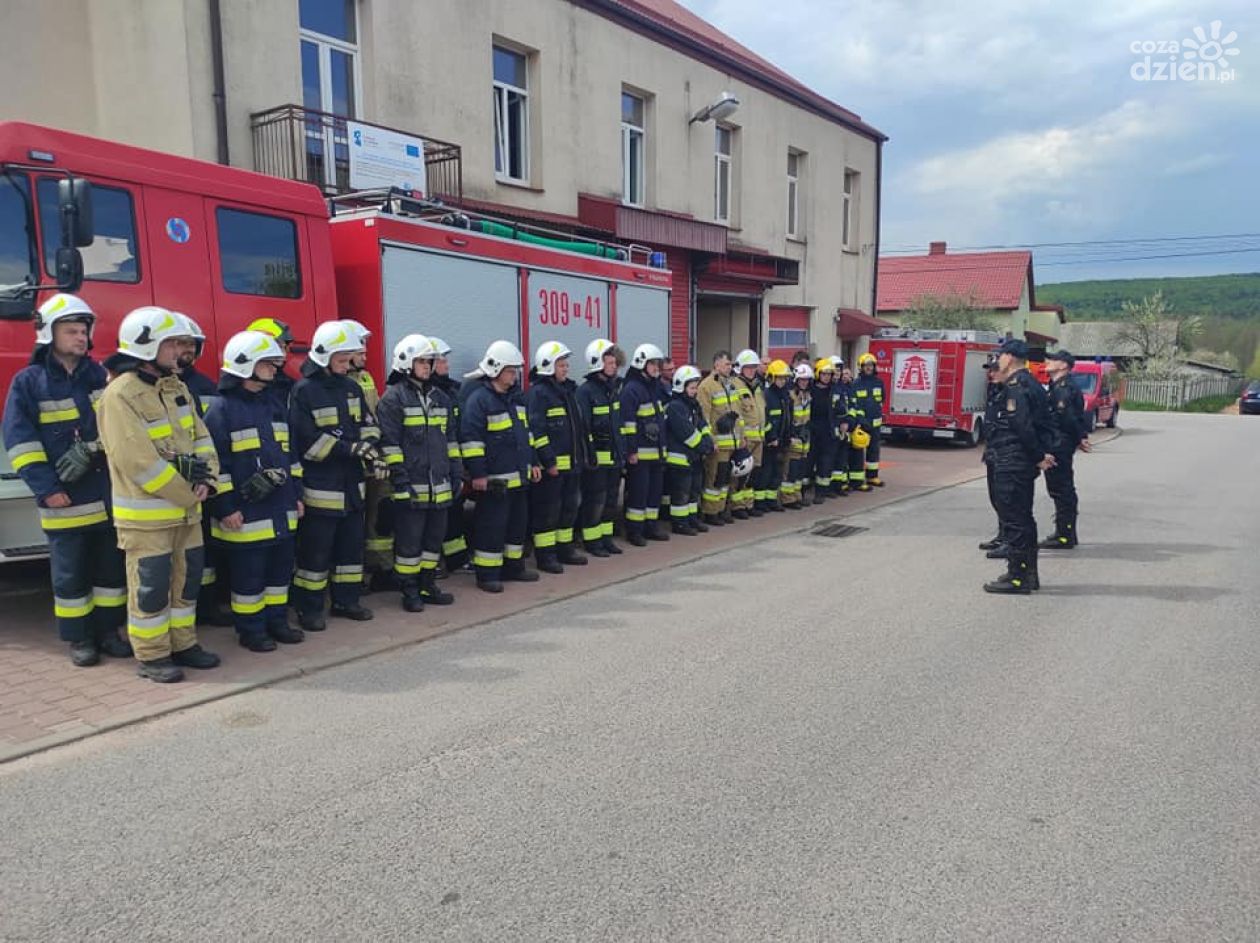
{"x": 313, "y": 146}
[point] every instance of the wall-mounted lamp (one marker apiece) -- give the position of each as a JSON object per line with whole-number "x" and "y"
{"x": 725, "y": 106}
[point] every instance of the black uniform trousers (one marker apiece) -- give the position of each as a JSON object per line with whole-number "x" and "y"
{"x": 769, "y": 476}
{"x": 554, "y": 502}
{"x": 500, "y": 520}
{"x": 645, "y": 481}
{"x": 215, "y": 576}
{"x": 822, "y": 459}
{"x": 1013, "y": 490}
{"x": 260, "y": 578}
{"x": 857, "y": 463}
{"x": 329, "y": 552}
{"x": 599, "y": 504}
{"x": 1061, "y": 486}
{"x": 419, "y": 532}
{"x": 990, "y": 476}
{"x": 871, "y": 469}
{"x": 455, "y": 540}
{"x": 684, "y": 484}
{"x": 89, "y": 582}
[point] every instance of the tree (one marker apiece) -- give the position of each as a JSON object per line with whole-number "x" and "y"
{"x": 1156, "y": 335}
{"x": 951, "y": 312}
{"x": 1215, "y": 357}
{"x": 1254, "y": 370}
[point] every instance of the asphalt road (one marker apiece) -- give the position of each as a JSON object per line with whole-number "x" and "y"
{"x": 814, "y": 738}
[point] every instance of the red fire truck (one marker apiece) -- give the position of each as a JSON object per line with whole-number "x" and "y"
{"x": 935, "y": 381}
{"x": 227, "y": 246}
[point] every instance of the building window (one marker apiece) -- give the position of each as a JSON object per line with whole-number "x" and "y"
{"x": 789, "y": 337}
{"x": 849, "y": 211}
{"x": 511, "y": 115}
{"x": 722, "y": 152}
{"x": 258, "y": 254}
{"x": 793, "y": 193}
{"x": 633, "y": 152}
{"x": 330, "y": 84}
{"x": 113, "y": 255}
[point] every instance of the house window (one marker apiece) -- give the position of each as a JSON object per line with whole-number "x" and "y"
{"x": 722, "y": 152}
{"x": 793, "y": 193}
{"x": 789, "y": 337}
{"x": 511, "y": 115}
{"x": 632, "y": 149}
{"x": 330, "y": 84}
{"x": 113, "y": 255}
{"x": 789, "y": 330}
{"x": 258, "y": 254}
{"x": 848, "y": 213}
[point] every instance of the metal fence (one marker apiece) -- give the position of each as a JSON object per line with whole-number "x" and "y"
{"x": 312, "y": 146}
{"x": 1171, "y": 394}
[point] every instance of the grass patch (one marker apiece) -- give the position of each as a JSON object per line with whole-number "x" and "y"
{"x": 1208, "y": 404}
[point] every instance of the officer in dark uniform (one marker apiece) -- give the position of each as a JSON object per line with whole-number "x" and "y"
{"x": 1020, "y": 444}
{"x": 996, "y": 547}
{"x": 1067, "y": 412}
{"x": 560, "y": 441}
{"x": 599, "y": 400}
{"x": 455, "y": 542}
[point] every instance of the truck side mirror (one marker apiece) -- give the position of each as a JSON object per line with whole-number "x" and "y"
{"x": 74, "y": 199}
{"x": 69, "y": 269}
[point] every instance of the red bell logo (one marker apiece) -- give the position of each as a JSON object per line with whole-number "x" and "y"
{"x": 914, "y": 376}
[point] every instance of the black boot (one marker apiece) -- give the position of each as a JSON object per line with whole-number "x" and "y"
{"x": 84, "y": 654}
{"x": 635, "y": 538}
{"x": 429, "y": 590}
{"x": 1000, "y": 552}
{"x": 547, "y": 561}
{"x": 312, "y": 621}
{"x": 682, "y": 527}
{"x": 612, "y": 547}
{"x": 411, "y": 598}
{"x": 285, "y": 634}
{"x": 110, "y": 644}
{"x": 699, "y": 526}
{"x": 161, "y": 670}
{"x": 739, "y": 514}
{"x": 991, "y": 544}
{"x": 488, "y": 584}
{"x": 514, "y": 572}
{"x": 257, "y": 643}
{"x": 569, "y": 555}
{"x": 728, "y": 516}
{"x": 596, "y": 548}
{"x": 195, "y": 657}
{"x": 1014, "y": 582}
{"x": 654, "y": 531}
{"x": 714, "y": 520}
{"x": 356, "y": 612}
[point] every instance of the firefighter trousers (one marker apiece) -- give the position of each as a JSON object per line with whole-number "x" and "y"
{"x": 685, "y": 483}
{"x": 795, "y": 473}
{"x": 645, "y": 480}
{"x": 554, "y": 502}
{"x": 1013, "y": 490}
{"x": 215, "y": 575}
{"x": 498, "y": 534}
{"x": 871, "y": 470}
{"x": 717, "y": 481}
{"x": 599, "y": 504}
{"x": 89, "y": 582}
{"x": 822, "y": 459}
{"x": 857, "y": 464}
{"x": 378, "y": 523}
{"x": 840, "y": 467}
{"x": 455, "y": 541}
{"x": 163, "y": 579}
{"x": 1061, "y": 486}
{"x": 260, "y": 578}
{"x": 418, "y": 535}
{"x": 329, "y": 553}
{"x": 769, "y": 476}
{"x": 743, "y": 492}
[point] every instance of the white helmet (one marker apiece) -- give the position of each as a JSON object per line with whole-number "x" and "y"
{"x": 645, "y": 353}
{"x": 595, "y": 352}
{"x": 243, "y": 351}
{"x": 684, "y": 375}
{"x": 546, "y": 356}
{"x": 838, "y": 362}
{"x": 743, "y": 467}
{"x": 803, "y": 371}
{"x": 500, "y": 354}
{"x": 194, "y": 331}
{"x": 333, "y": 337}
{"x": 411, "y": 348}
{"x": 358, "y": 329}
{"x": 747, "y": 358}
{"x": 61, "y": 307}
{"x": 143, "y": 330}
{"x": 443, "y": 349}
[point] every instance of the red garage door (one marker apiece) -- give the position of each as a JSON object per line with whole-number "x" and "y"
{"x": 789, "y": 331}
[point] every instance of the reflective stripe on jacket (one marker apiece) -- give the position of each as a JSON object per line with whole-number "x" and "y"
{"x": 327, "y": 415}
{"x": 418, "y": 438}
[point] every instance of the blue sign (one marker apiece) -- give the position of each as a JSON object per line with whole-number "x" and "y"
{"x": 177, "y": 230}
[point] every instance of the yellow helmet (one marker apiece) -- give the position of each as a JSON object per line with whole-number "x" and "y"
{"x": 865, "y": 359}
{"x": 778, "y": 368}
{"x": 859, "y": 438}
{"x": 824, "y": 363}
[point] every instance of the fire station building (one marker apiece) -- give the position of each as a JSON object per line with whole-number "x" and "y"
{"x": 633, "y": 121}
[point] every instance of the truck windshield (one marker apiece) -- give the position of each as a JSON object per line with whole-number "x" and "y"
{"x": 1085, "y": 382}
{"x": 15, "y": 235}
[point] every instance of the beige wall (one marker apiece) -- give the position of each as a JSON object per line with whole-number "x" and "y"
{"x": 140, "y": 71}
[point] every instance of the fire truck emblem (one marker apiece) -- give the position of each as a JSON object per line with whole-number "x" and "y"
{"x": 914, "y": 376}
{"x": 177, "y": 230}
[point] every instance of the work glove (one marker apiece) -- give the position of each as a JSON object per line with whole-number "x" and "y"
{"x": 377, "y": 469}
{"x": 77, "y": 461}
{"x": 262, "y": 484}
{"x": 726, "y": 423}
{"x": 366, "y": 451}
{"x": 194, "y": 470}
{"x": 652, "y": 432}
{"x": 497, "y": 486}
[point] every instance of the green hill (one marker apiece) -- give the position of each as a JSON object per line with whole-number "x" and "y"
{"x": 1212, "y": 296}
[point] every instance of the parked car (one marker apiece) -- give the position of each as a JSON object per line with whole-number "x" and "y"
{"x": 1249, "y": 402}
{"x": 1103, "y": 390}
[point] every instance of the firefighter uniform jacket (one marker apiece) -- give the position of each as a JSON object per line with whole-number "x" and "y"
{"x": 778, "y": 415}
{"x": 327, "y": 416}
{"x": 146, "y": 421}
{"x": 643, "y": 417}
{"x": 868, "y": 401}
{"x": 495, "y": 438}
{"x": 46, "y": 412}
{"x": 418, "y": 438}
{"x": 250, "y": 433}
{"x": 555, "y": 421}
{"x": 368, "y": 385}
{"x": 201, "y": 387}
{"x": 600, "y": 404}
{"x": 822, "y": 413}
{"x": 717, "y": 398}
{"x": 802, "y": 410}
{"x": 750, "y": 403}
{"x": 687, "y": 438}
{"x": 1021, "y": 434}
{"x": 1067, "y": 413}
{"x": 450, "y": 387}
{"x": 842, "y": 404}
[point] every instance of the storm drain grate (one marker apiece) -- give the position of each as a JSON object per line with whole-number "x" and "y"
{"x": 837, "y": 530}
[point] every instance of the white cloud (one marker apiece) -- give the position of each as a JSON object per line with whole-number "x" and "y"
{"x": 1197, "y": 164}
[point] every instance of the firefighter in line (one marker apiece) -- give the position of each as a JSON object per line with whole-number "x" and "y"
{"x": 687, "y": 442}
{"x": 282, "y": 386}
{"x": 256, "y": 508}
{"x": 202, "y": 388}
{"x": 796, "y": 455}
{"x": 750, "y": 404}
{"x": 599, "y": 400}
{"x": 778, "y": 435}
{"x": 499, "y": 459}
{"x": 378, "y": 553}
{"x": 560, "y": 440}
{"x": 162, "y": 466}
{"x": 1071, "y": 432}
{"x": 822, "y": 430}
{"x": 995, "y": 547}
{"x": 333, "y": 436}
{"x": 842, "y": 407}
{"x": 455, "y": 541}
{"x": 868, "y": 403}
{"x": 1021, "y": 441}
{"x": 717, "y": 398}
{"x": 643, "y": 428}
{"x": 50, "y": 434}
{"x": 418, "y": 439}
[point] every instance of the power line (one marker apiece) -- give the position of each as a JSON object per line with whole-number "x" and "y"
{"x": 1090, "y": 242}
{"x": 953, "y": 269}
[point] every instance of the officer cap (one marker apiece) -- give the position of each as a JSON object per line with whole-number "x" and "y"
{"x": 1063, "y": 356}
{"x": 1015, "y": 347}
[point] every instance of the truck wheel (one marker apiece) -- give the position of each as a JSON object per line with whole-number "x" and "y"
{"x": 975, "y": 436}
{"x": 1115, "y": 415}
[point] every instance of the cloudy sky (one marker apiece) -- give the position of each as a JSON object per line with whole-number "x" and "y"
{"x": 1022, "y": 123}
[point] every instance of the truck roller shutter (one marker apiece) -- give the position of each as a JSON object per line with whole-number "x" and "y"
{"x": 568, "y": 309}
{"x": 643, "y": 318}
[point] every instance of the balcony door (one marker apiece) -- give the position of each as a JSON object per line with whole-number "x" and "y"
{"x": 330, "y": 87}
